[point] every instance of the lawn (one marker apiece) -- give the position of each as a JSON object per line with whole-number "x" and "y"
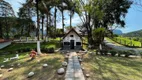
{"x": 16, "y": 46}
{"x": 110, "y": 40}
{"x": 112, "y": 68}
{"x": 126, "y": 41}
{"x": 20, "y": 72}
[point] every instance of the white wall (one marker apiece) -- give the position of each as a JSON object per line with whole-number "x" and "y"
{"x": 4, "y": 44}
{"x": 75, "y": 37}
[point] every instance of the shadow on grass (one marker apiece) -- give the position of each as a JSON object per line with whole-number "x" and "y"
{"x": 114, "y": 68}
{"x": 49, "y": 73}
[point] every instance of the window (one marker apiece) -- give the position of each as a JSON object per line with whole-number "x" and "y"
{"x": 66, "y": 43}
{"x": 71, "y": 35}
{"x": 78, "y": 43}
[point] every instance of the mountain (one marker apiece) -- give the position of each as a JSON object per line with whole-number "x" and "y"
{"x": 118, "y": 32}
{"x": 133, "y": 34}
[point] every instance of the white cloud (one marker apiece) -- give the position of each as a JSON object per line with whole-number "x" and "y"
{"x": 59, "y": 24}
{"x": 75, "y": 20}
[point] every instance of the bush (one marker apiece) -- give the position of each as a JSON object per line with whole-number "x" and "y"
{"x": 141, "y": 54}
{"x": 113, "y": 52}
{"x": 12, "y": 52}
{"x": 43, "y": 49}
{"x": 129, "y": 52}
{"x": 26, "y": 49}
{"x": 120, "y": 53}
{"x": 97, "y": 52}
{"x": 47, "y": 50}
{"x": 51, "y": 50}
{"x": 103, "y": 52}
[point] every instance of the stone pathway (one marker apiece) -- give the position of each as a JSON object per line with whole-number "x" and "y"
{"x": 74, "y": 71}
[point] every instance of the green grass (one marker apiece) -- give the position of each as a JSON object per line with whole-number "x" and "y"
{"x": 15, "y": 46}
{"x": 112, "y": 68}
{"x": 126, "y": 41}
{"x": 21, "y": 72}
{"x": 110, "y": 40}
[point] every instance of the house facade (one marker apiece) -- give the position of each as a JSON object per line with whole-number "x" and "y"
{"x": 72, "y": 41}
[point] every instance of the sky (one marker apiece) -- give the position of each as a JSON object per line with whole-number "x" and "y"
{"x": 133, "y": 18}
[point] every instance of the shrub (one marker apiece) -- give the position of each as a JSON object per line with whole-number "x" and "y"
{"x": 48, "y": 50}
{"x": 97, "y": 52}
{"x": 43, "y": 49}
{"x": 120, "y": 53}
{"x": 103, "y": 52}
{"x": 113, "y": 52}
{"x": 51, "y": 50}
{"x": 132, "y": 52}
{"x": 129, "y": 52}
{"x": 141, "y": 54}
{"x": 12, "y": 52}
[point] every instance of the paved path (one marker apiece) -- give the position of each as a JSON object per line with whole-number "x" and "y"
{"x": 74, "y": 71}
{"x": 120, "y": 47}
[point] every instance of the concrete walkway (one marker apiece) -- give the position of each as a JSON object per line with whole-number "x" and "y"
{"x": 120, "y": 47}
{"x": 74, "y": 71}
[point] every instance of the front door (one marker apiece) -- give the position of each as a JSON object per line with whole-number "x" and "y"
{"x": 72, "y": 44}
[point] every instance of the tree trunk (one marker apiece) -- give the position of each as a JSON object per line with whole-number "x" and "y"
{"x": 89, "y": 29}
{"x": 46, "y": 39}
{"x": 70, "y": 20}
{"x": 55, "y": 20}
{"x": 63, "y": 20}
{"x": 29, "y": 30}
{"x": 38, "y": 28}
{"x": 42, "y": 26}
{"x": 22, "y": 31}
{"x": 1, "y": 32}
{"x": 7, "y": 30}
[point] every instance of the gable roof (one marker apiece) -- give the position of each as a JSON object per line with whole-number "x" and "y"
{"x": 72, "y": 29}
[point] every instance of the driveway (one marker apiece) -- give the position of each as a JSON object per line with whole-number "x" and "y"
{"x": 117, "y": 46}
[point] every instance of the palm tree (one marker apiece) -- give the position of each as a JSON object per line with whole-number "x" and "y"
{"x": 55, "y": 14}
{"x": 42, "y": 25}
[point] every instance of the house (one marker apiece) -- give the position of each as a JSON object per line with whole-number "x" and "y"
{"x": 72, "y": 40}
{"x": 4, "y": 43}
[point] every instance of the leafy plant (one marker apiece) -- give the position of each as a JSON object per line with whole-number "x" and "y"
{"x": 113, "y": 52}
{"x": 120, "y": 53}
{"x": 141, "y": 54}
{"x": 129, "y": 52}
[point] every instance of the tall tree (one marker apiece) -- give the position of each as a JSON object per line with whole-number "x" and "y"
{"x": 101, "y": 13}
{"x": 6, "y": 11}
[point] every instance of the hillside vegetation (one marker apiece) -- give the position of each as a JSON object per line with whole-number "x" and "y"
{"x": 133, "y": 34}
{"x": 126, "y": 41}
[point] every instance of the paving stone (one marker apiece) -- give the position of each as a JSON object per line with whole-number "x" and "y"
{"x": 69, "y": 79}
{"x": 70, "y": 63}
{"x": 74, "y": 71}
{"x": 79, "y": 78}
{"x": 77, "y": 67}
{"x": 76, "y": 61}
{"x": 69, "y": 75}
{"x": 78, "y": 71}
{"x": 70, "y": 70}
{"x": 78, "y": 74}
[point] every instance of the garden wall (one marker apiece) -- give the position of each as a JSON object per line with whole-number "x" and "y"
{"x": 4, "y": 44}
